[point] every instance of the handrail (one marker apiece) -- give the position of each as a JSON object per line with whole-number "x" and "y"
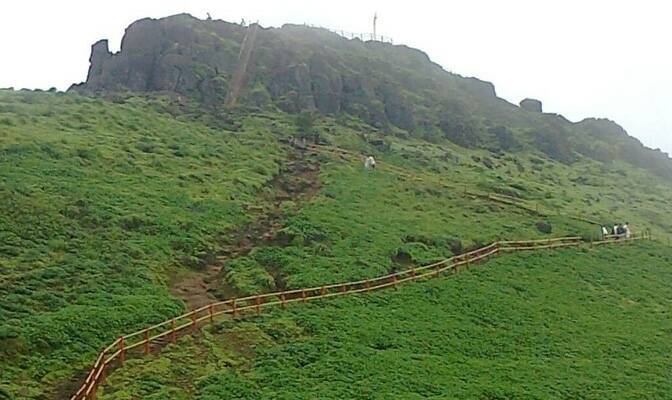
{"x": 255, "y": 303}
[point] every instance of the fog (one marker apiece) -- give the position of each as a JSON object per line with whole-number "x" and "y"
{"x": 607, "y": 59}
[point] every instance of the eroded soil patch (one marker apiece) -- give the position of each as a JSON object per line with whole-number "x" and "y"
{"x": 298, "y": 182}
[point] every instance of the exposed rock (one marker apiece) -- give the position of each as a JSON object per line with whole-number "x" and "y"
{"x": 295, "y": 68}
{"x": 393, "y": 88}
{"x": 531, "y": 105}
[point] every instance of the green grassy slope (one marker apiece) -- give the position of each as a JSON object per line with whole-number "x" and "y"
{"x": 589, "y": 324}
{"x": 100, "y": 201}
{"x": 104, "y": 202}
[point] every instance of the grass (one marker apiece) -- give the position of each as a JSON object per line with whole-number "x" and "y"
{"x": 105, "y": 201}
{"x": 589, "y": 324}
{"x": 100, "y": 203}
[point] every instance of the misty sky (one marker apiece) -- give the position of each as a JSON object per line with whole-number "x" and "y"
{"x": 609, "y": 59}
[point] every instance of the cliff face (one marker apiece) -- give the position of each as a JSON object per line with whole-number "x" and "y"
{"x": 296, "y": 68}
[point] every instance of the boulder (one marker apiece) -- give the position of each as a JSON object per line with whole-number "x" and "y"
{"x": 532, "y": 105}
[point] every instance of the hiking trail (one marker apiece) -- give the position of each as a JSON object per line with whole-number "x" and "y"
{"x": 297, "y": 181}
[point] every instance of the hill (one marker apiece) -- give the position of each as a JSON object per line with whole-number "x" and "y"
{"x": 567, "y": 324}
{"x": 119, "y": 214}
{"x": 396, "y": 89}
{"x": 134, "y": 197}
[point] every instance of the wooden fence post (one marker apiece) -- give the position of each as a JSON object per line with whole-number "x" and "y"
{"x": 323, "y": 291}
{"x": 103, "y": 374}
{"x": 211, "y": 312}
{"x": 394, "y": 280}
{"x": 173, "y": 337}
{"x": 193, "y": 322}
{"x": 233, "y": 306}
{"x": 282, "y": 299}
{"x": 258, "y": 304}
{"x": 303, "y": 295}
{"x": 146, "y": 345}
{"x": 368, "y": 286}
{"x": 122, "y": 351}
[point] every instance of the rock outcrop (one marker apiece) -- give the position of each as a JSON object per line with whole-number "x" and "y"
{"x": 294, "y": 68}
{"x": 533, "y": 105}
{"x": 391, "y": 87}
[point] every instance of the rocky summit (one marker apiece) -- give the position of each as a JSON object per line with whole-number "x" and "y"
{"x": 394, "y": 88}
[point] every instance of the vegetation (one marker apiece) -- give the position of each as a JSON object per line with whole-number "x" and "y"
{"x": 566, "y": 324}
{"x": 393, "y": 88}
{"x": 100, "y": 202}
{"x": 106, "y": 202}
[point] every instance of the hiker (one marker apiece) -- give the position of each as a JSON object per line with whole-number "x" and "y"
{"x": 626, "y": 230}
{"x": 605, "y": 232}
{"x": 370, "y": 163}
{"x": 621, "y": 231}
{"x": 615, "y": 231}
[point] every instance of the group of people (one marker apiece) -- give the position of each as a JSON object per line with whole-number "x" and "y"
{"x": 618, "y": 231}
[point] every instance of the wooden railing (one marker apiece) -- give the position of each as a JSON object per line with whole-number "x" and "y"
{"x": 157, "y": 335}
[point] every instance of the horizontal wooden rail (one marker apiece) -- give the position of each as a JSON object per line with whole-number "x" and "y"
{"x": 118, "y": 350}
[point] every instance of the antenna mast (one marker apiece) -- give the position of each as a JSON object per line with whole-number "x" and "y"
{"x": 375, "y": 19}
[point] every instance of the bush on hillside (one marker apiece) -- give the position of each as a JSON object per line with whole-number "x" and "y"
{"x": 544, "y": 227}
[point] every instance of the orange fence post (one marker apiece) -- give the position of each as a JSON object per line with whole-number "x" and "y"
{"x": 122, "y": 351}
{"x": 146, "y": 346}
{"x": 211, "y": 311}
{"x": 173, "y": 337}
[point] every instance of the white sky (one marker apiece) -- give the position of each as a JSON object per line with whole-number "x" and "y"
{"x": 582, "y": 58}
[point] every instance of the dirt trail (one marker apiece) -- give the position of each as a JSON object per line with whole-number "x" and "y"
{"x": 297, "y": 181}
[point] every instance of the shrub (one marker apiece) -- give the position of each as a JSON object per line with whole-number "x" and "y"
{"x": 544, "y": 227}
{"x": 305, "y": 122}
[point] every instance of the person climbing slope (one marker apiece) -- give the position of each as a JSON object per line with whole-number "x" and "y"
{"x": 626, "y": 230}
{"x": 370, "y": 163}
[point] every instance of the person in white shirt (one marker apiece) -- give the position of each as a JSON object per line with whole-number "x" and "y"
{"x": 370, "y": 163}
{"x": 615, "y": 232}
{"x": 626, "y": 228}
{"x": 605, "y": 232}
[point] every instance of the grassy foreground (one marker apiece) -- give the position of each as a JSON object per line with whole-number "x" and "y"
{"x": 99, "y": 202}
{"x": 570, "y": 324}
{"x": 105, "y": 202}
